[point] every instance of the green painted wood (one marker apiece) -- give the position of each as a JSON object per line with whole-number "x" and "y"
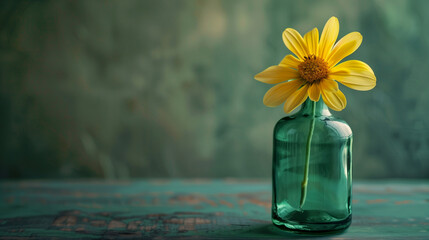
{"x": 193, "y": 209}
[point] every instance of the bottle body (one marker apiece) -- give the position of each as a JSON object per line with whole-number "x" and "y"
{"x": 327, "y": 205}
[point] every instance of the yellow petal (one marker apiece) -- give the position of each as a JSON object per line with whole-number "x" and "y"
{"x": 335, "y": 100}
{"x": 354, "y": 74}
{"x": 312, "y": 41}
{"x": 276, "y": 74}
{"x": 314, "y": 92}
{"x": 328, "y": 85}
{"x": 296, "y": 99}
{"x": 329, "y": 36}
{"x": 278, "y": 94}
{"x": 295, "y": 43}
{"x": 346, "y": 46}
{"x": 290, "y": 61}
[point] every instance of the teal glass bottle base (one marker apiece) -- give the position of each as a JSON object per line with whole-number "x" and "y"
{"x": 311, "y": 221}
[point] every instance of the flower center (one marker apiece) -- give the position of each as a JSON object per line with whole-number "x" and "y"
{"x": 313, "y": 69}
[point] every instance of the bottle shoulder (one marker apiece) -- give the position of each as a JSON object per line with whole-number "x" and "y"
{"x": 325, "y": 127}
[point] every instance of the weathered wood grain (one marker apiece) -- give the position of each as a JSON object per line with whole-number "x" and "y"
{"x": 193, "y": 209}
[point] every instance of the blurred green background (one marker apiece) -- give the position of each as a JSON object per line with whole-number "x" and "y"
{"x": 125, "y": 89}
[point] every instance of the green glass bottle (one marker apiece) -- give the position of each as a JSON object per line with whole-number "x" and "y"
{"x": 312, "y": 171}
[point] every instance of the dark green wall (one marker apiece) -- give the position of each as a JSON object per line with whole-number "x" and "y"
{"x": 119, "y": 89}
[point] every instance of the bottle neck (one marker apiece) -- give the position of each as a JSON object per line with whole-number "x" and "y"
{"x": 321, "y": 108}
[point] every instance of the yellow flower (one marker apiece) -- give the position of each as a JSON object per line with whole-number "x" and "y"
{"x": 314, "y": 70}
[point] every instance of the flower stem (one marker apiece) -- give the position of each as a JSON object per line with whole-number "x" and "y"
{"x": 307, "y": 156}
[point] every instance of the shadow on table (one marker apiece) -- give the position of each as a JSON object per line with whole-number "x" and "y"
{"x": 266, "y": 231}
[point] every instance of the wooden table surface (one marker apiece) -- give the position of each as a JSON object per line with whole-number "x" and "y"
{"x": 194, "y": 209}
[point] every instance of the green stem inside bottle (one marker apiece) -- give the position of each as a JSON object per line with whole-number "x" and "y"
{"x": 307, "y": 156}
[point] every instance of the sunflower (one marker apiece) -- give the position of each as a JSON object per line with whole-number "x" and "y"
{"x": 314, "y": 72}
